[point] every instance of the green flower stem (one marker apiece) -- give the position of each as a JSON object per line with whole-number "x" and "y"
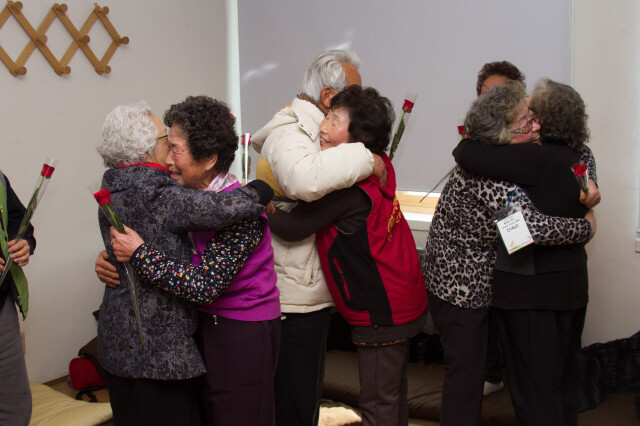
{"x": 24, "y": 225}
{"x": 398, "y": 135}
{"x": 117, "y": 223}
{"x": 439, "y": 182}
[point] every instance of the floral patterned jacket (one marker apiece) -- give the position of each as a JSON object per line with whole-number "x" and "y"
{"x": 149, "y": 201}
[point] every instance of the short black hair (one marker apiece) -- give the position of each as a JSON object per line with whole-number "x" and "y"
{"x": 209, "y": 128}
{"x": 504, "y": 68}
{"x": 371, "y": 116}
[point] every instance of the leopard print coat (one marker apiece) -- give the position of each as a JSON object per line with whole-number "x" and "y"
{"x": 460, "y": 251}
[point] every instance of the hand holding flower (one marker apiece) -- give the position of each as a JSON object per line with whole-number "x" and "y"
{"x": 581, "y": 172}
{"x": 124, "y": 244}
{"x": 20, "y": 251}
{"x": 591, "y": 198}
{"x": 41, "y": 186}
{"x": 103, "y": 197}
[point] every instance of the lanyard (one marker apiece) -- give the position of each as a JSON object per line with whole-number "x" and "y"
{"x": 505, "y": 211}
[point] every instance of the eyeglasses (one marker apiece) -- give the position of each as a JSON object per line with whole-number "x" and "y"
{"x": 529, "y": 124}
{"x": 162, "y": 137}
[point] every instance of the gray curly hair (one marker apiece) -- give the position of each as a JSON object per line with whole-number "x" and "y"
{"x": 326, "y": 70}
{"x": 128, "y": 135}
{"x": 490, "y": 117}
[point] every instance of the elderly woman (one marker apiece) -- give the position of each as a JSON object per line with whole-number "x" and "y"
{"x": 368, "y": 257}
{"x": 541, "y": 292}
{"x": 231, "y": 276}
{"x": 490, "y": 75}
{"x": 153, "y": 383}
{"x": 460, "y": 251}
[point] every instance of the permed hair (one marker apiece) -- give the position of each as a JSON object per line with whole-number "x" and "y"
{"x": 209, "y": 128}
{"x": 504, "y": 68}
{"x": 371, "y": 116}
{"x": 490, "y": 117}
{"x": 561, "y": 112}
{"x": 129, "y": 135}
{"x": 326, "y": 70}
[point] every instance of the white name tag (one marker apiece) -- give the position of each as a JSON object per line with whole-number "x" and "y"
{"x": 514, "y": 232}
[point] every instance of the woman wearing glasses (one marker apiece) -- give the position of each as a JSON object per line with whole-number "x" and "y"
{"x": 540, "y": 292}
{"x": 461, "y": 250}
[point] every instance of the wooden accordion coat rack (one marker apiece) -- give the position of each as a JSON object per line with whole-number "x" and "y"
{"x": 80, "y": 37}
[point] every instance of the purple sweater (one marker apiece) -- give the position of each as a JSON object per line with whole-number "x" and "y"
{"x": 253, "y": 295}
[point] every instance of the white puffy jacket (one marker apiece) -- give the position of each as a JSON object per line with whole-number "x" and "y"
{"x": 290, "y": 145}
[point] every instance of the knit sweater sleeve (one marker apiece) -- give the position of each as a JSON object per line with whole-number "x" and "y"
{"x": 223, "y": 258}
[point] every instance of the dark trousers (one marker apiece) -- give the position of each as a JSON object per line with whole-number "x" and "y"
{"x": 463, "y": 335}
{"x": 493, "y": 371}
{"x": 147, "y": 402}
{"x": 542, "y": 351}
{"x": 15, "y": 391}
{"x": 241, "y": 358}
{"x": 298, "y": 380}
{"x": 383, "y": 384}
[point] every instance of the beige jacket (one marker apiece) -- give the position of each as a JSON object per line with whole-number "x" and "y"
{"x": 290, "y": 145}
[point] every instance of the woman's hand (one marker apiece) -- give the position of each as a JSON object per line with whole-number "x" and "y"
{"x": 270, "y": 208}
{"x": 124, "y": 244}
{"x": 380, "y": 170}
{"x": 19, "y": 252}
{"x": 591, "y": 199}
{"x": 105, "y": 271}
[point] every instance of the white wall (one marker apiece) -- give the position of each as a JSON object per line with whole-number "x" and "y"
{"x": 606, "y": 73}
{"x": 176, "y": 49}
{"x": 429, "y": 48}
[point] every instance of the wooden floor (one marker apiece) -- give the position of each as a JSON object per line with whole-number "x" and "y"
{"x": 62, "y": 385}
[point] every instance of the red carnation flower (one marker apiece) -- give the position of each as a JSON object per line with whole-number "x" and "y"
{"x": 103, "y": 197}
{"x": 408, "y": 105}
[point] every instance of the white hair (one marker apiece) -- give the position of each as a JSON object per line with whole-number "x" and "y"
{"x": 543, "y": 83}
{"x": 326, "y": 70}
{"x": 129, "y": 135}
